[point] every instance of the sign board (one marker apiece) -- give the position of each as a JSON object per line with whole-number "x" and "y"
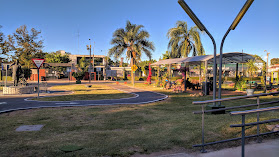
{"x": 38, "y": 62}
{"x": 134, "y": 68}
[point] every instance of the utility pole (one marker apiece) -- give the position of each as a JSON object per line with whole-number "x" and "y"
{"x": 267, "y": 54}
{"x": 89, "y": 71}
{"x": 242, "y": 64}
{"x": 93, "y": 57}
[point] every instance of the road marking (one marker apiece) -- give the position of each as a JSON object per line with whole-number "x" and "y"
{"x": 71, "y": 103}
{"x": 1, "y": 103}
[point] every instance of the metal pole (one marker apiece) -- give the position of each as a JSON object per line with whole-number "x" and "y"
{"x": 258, "y": 119}
{"x": 38, "y": 82}
{"x": 267, "y": 64}
{"x": 185, "y": 85}
{"x": 159, "y": 75}
{"x": 205, "y": 86}
{"x": 243, "y": 136}
{"x": 169, "y": 72}
{"x": 214, "y": 66}
{"x": 220, "y": 65}
{"x": 202, "y": 28}
{"x": 200, "y": 73}
{"x": 242, "y": 64}
{"x": 6, "y": 75}
{"x": 203, "y": 150}
{"x": 93, "y": 57}
{"x": 90, "y": 62}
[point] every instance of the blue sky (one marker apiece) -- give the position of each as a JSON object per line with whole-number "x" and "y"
{"x": 60, "y": 21}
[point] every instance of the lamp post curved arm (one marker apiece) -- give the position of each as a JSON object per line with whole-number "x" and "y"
{"x": 195, "y": 19}
{"x": 221, "y": 64}
{"x": 214, "y": 62}
{"x": 232, "y": 27}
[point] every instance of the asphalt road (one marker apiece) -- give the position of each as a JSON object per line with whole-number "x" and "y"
{"x": 23, "y": 102}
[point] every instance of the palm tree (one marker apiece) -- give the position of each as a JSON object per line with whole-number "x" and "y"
{"x": 133, "y": 41}
{"x": 166, "y": 55}
{"x": 251, "y": 68}
{"x": 183, "y": 41}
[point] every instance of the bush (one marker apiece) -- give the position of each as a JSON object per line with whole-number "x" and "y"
{"x": 78, "y": 75}
{"x": 240, "y": 84}
{"x": 9, "y": 78}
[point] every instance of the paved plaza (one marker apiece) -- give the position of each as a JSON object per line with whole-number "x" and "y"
{"x": 22, "y": 102}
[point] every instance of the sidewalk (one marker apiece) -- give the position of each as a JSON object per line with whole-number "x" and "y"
{"x": 266, "y": 149}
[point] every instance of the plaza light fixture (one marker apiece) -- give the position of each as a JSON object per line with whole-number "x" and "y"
{"x": 241, "y": 14}
{"x": 188, "y": 10}
{"x": 89, "y": 70}
{"x": 195, "y": 19}
{"x": 266, "y": 73}
{"x": 232, "y": 27}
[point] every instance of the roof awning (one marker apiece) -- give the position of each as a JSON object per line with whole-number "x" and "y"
{"x": 231, "y": 57}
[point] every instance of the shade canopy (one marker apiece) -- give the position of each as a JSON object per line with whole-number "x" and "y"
{"x": 231, "y": 57}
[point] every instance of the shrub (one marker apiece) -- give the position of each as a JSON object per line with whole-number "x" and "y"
{"x": 78, "y": 75}
{"x": 240, "y": 84}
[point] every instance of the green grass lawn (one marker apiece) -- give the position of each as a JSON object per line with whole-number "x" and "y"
{"x": 121, "y": 130}
{"x": 81, "y": 92}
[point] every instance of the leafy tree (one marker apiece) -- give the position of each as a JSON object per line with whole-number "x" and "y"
{"x": 83, "y": 64}
{"x": 26, "y": 45}
{"x": 78, "y": 75}
{"x": 263, "y": 77}
{"x": 134, "y": 41}
{"x": 5, "y": 47}
{"x": 183, "y": 41}
{"x": 166, "y": 55}
{"x": 1, "y": 41}
{"x": 251, "y": 68}
{"x": 274, "y": 61}
{"x": 144, "y": 65}
{"x": 56, "y": 57}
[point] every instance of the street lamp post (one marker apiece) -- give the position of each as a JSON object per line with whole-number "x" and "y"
{"x": 89, "y": 70}
{"x": 266, "y": 74}
{"x": 191, "y": 14}
{"x": 202, "y": 28}
{"x": 232, "y": 27}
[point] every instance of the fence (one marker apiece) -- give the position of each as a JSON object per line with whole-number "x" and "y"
{"x": 243, "y": 113}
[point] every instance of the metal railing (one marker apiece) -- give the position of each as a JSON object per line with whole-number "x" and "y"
{"x": 243, "y": 124}
{"x": 258, "y": 110}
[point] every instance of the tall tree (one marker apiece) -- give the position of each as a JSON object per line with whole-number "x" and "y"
{"x": 166, "y": 55}
{"x": 1, "y": 41}
{"x": 134, "y": 40}
{"x": 26, "y": 45}
{"x": 183, "y": 41}
{"x": 83, "y": 64}
{"x": 5, "y": 46}
{"x": 274, "y": 61}
{"x": 57, "y": 57}
{"x": 251, "y": 68}
{"x": 144, "y": 65}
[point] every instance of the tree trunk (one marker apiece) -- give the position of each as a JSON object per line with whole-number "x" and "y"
{"x": 132, "y": 72}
